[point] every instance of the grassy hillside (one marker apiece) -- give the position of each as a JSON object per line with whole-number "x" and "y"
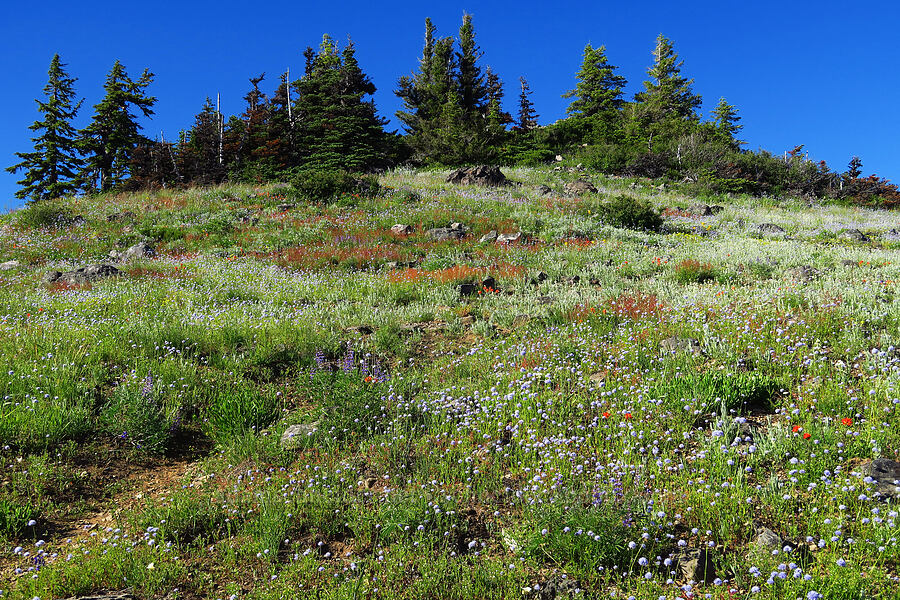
{"x": 586, "y": 411}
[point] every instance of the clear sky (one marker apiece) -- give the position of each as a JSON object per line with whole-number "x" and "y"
{"x": 823, "y": 74}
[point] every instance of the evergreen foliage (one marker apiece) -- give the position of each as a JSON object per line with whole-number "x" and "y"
{"x": 528, "y": 117}
{"x": 51, "y": 170}
{"x": 725, "y": 119}
{"x": 114, "y": 133}
{"x": 335, "y": 127}
{"x": 598, "y": 90}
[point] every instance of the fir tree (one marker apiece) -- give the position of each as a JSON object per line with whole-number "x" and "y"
{"x": 668, "y": 94}
{"x": 51, "y": 170}
{"x": 725, "y": 119}
{"x": 113, "y": 133}
{"x": 473, "y": 91}
{"x": 336, "y": 128}
{"x": 598, "y": 89}
{"x": 527, "y": 115}
{"x": 854, "y": 168}
{"x": 202, "y": 160}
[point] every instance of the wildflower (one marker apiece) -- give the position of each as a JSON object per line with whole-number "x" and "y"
{"x": 806, "y": 436}
{"x": 627, "y": 416}
{"x": 848, "y": 422}
{"x": 795, "y": 428}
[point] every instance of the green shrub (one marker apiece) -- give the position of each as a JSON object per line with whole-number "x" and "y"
{"x": 631, "y": 213}
{"x": 325, "y": 186}
{"x": 46, "y": 213}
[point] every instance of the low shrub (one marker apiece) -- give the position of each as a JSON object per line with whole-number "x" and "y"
{"x": 137, "y": 416}
{"x": 325, "y": 186}
{"x": 631, "y": 213}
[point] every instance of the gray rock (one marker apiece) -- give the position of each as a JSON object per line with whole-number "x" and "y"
{"x": 765, "y": 541}
{"x": 543, "y": 190}
{"x": 769, "y": 228}
{"x": 138, "y": 251}
{"x": 849, "y": 263}
{"x": 539, "y": 278}
{"x": 468, "y": 289}
{"x": 885, "y": 475}
{"x": 803, "y": 273}
{"x": 695, "y": 565}
{"x": 286, "y": 206}
{"x": 545, "y": 300}
{"x": 580, "y": 186}
{"x": 854, "y": 235}
{"x": 125, "y": 215}
{"x": 443, "y": 234}
{"x": 490, "y": 236}
{"x": 508, "y": 238}
{"x": 84, "y": 275}
{"x": 10, "y": 265}
{"x": 457, "y": 226}
{"x": 481, "y": 175}
{"x": 401, "y": 229}
{"x": 294, "y": 435}
{"x": 892, "y": 235}
{"x": 676, "y": 345}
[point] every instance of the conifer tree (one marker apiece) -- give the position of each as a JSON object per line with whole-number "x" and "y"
{"x": 51, "y": 170}
{"x": 527, "y": 115}
{"x": 725, "y": 119}
{"x": 202, "y": 159}
{"x": 854, "y": 168}
{"x": 598, "y": 89}
{"x": 336, "y": 128}
{"x": 668, "y": 93}
{"x": 114, "y": 132}
{"x": 473, "y": 90}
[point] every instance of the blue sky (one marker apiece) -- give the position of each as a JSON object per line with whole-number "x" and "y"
{"x": 822, "y": 74}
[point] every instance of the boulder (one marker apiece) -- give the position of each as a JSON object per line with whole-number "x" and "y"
{"x": 765, "y": 541}
{"x": 885, "y": 475}
{"x": 580, "y": 186}
{"x": 849, "y": 263}
{"x": 88, "y": 274}
{"x": 443, "y": 234}
{"x": 10, "y": 265}
{"x": 543, "y": 190}
{"x": 286, "y": 206}
{"x": 481, "y": 175}
{"x": 401, "y": 229}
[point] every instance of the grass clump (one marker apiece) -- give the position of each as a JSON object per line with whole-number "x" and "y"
{"x": 45, "y": 213}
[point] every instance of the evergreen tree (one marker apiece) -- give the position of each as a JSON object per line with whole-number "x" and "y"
{"x": 854, "y": 168}
{"x": 113, "y": 133}
{"x": 527, "y": 115}
{"x": 473, "y": 90}
{"x": 336, "y": 128}
{"x": 668, "y": 94}
{"x": 279, "y": 149}
{"x": 425, "y": 93}
{"x": 203, "y": 159}
{"x": 51, "y": 170}
{"x": 598, "y": 89}
{"x": 725, "y": 119}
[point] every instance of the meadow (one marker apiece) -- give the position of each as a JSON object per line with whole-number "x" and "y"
{"x": 587, "y": 411}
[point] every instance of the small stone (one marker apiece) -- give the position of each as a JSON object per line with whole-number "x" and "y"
{"x": 695, "y": 565}
{"x": 467, "y": 321}
{"x": 580, "y": 186}
{"x": 803, "y": 273}
{"x": 490, "y": 236}
{"x": 677, "y": 344}
{"x": 769, "y": 228}
{"x": 543, "y": 190}
{"x": 10, "y": 265}
{"x": 286, "y": 206}
{"x": 545, "y": 300}
{"x": 294, "y": 435}
{"x": 854, "y": 235}
{"x": 509, "y": 238}
{"x": 401, "y": 229}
